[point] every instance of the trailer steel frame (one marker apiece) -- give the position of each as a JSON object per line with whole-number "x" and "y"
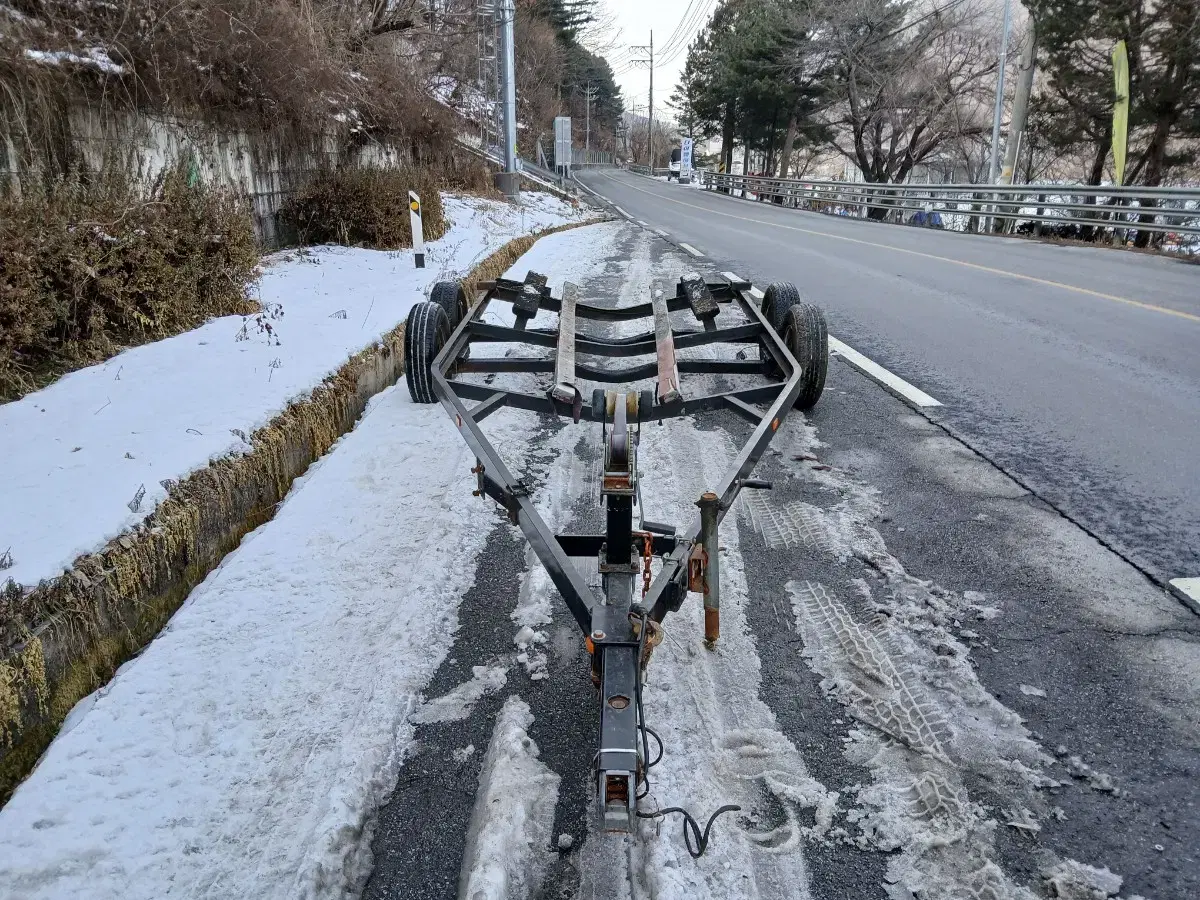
{"x": 620, "y": 628}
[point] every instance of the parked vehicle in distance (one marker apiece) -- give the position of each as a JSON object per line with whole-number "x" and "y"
{"x": 673, "y": 167}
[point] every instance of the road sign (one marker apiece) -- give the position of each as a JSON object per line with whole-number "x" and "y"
{"x": 562, "y": 144}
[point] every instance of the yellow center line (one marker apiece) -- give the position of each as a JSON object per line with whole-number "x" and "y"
{"x": 946, "y": 259}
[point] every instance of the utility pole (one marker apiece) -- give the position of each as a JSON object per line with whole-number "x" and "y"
{"x": 649, "y": 61}
{"x": 589, "y": 94}
{"x": 999, "y": 110}
{"x": 1016, "y": 128}
{"x": 508, "y": 181}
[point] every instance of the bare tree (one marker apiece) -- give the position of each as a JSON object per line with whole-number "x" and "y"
{"x": 905, "y": 81}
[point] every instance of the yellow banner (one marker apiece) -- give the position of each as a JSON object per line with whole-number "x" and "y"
{"x": 1120, "y": 131}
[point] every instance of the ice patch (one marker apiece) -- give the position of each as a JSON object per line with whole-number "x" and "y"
{"x": 1072, "y": 880}
{"x": 458, "y": 703}
{"x": 506, "y": 851}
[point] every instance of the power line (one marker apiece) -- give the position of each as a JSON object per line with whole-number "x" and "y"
{"x": 688, "y": 26}
{"x": 669, "y": 42}
{"x": 679, "y": 40}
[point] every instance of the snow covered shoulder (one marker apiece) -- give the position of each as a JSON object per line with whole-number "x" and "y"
{"x": 245, "y": 751}
{"x": 89, "y": 457}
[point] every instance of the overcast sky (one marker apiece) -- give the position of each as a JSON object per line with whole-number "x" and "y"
{"x": 632, "y": 21}
{"x": 678, "y": 19}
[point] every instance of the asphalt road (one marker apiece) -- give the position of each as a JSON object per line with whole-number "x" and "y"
{"x": 1074, "y": 368}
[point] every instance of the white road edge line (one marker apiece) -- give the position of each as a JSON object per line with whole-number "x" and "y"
{"x": 756, "y": 293}
{"x": 1187, "y": 590}
{"x": 878, "y": 373}
{"x": 690, "y": 249}
{"x": 659, "y": 231}
{"x": 621, "y": 211}
{"x": 731, "y": 276}
{"x": 645, "y": 225}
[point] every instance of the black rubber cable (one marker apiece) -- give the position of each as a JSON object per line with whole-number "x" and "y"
{"x": 691, "y": 828}
{"x": 637, "y": 695}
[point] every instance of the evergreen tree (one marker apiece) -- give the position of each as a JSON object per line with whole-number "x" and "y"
{"x": 582, "y": 70}
{"x": 751, "y": 75}
{"x": 1075, "y": 41}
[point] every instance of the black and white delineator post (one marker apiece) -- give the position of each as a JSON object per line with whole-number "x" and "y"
{"x": 418, "y": 235}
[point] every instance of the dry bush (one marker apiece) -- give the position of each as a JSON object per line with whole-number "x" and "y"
{"x": 279, "y": 64}
{"x": 466, "y": 174}
{"x": 365, "y": 207}
{"x": 90, "y": 266}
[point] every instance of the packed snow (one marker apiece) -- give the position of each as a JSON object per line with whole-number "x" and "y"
{"x": 514, "y": 812}
{"x": 458, "y": 703}
{"x": 94, "y": 58}
{"x": 79, "y": 452}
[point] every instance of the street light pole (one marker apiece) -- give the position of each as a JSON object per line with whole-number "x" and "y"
{"x": 508, "y": 181}
{"x": 999, "y": 110}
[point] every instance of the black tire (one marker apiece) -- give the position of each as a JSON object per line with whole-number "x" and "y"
{"x": 779, "y": 297}
{"x": 807, "y": 337}
{"x": 450, "y": 296}
{"x": 425, "y": 333}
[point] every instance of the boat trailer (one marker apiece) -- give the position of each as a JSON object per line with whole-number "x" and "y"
{"x": 783, "y": 351}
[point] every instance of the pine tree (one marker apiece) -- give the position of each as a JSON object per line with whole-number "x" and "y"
{"x": 1075, "y": 40}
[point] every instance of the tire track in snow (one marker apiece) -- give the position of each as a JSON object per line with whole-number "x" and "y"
{"x": 930, "y": 736}
{"x": 722, "y": 743}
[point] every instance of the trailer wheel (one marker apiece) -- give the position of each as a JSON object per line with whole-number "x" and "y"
{"x": 425, "y": 333}
{"x": 779, "y": 297}
{"x": 450, "y": 296}
{"x": 807, "y": 337}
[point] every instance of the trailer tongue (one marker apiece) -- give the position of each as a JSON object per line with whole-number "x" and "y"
{"x": 622, "y": 624}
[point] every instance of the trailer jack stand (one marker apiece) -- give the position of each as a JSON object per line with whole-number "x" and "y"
{"x": 710, "y": 567}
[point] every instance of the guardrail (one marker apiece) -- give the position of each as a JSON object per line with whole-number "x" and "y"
{"x": 646, "y": 170}
{"x": 1160, "y": 210}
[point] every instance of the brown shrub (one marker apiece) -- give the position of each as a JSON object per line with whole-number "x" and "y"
{"x": 365, "y": 207}
{"x": 282, "y": 65}
{"x": 89, "y": 266}
{"x": 467, "y": 174}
